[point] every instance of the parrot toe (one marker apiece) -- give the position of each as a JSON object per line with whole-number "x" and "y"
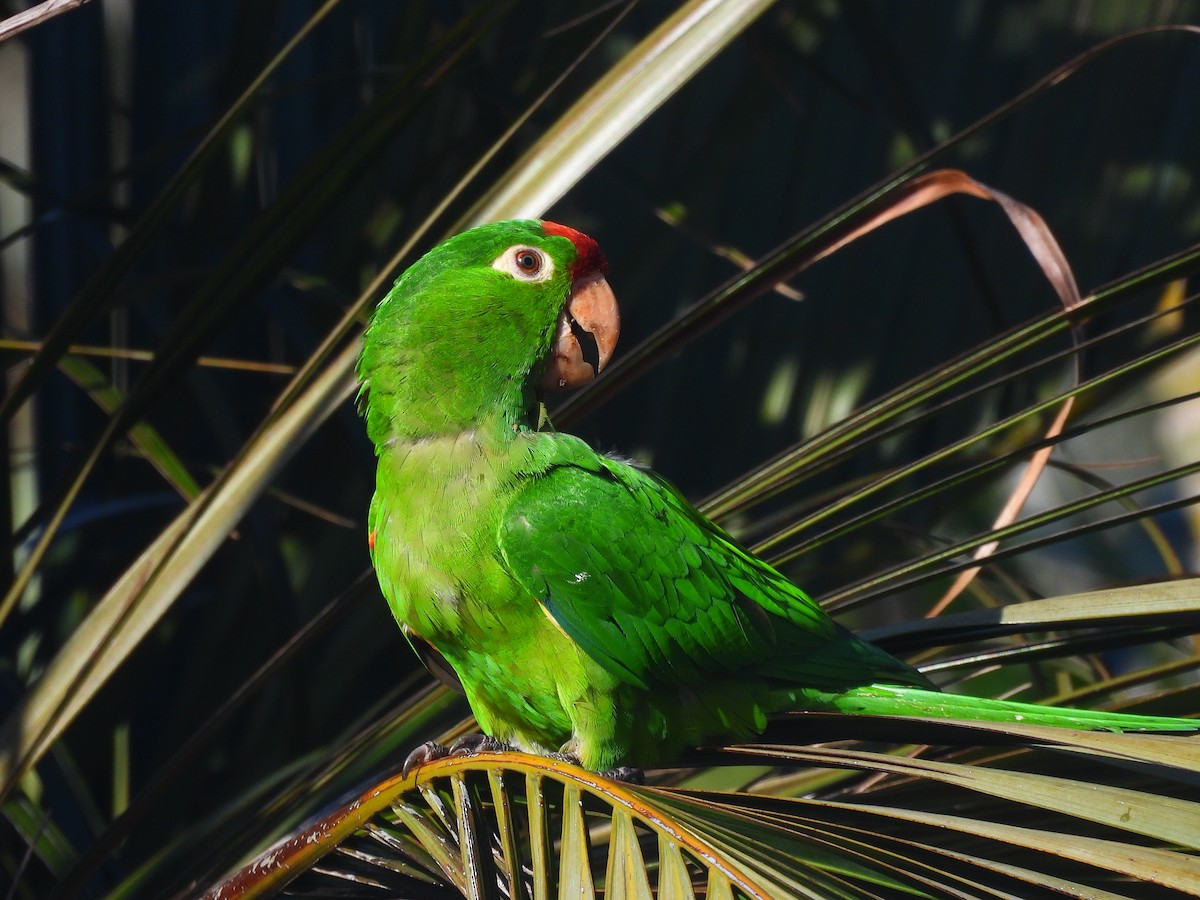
{"x": 426, "y": 753}
{"x": 627, "y": 774}
{"x": 470, "y": 744}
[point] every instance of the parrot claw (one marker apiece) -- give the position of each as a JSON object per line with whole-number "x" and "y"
{"x": 627, "y": 774}
{"x": 470, "y": 744}
{"x": 426, "y": 753}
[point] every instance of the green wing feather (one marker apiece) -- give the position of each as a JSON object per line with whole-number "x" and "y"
{"x": 659, "y": 595}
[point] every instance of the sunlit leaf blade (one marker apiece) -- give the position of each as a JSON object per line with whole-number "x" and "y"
{"x": 779, "y": 858}
{"x": 575, "y": 870}
{"x": 915, "y": 853}
{"x": 1172, "y": 564}
{"x": 930, "y": 566}
{"x": 957, "y": 448}
{"x": 179, "y": 767}
{"x": 143, "y": 436}
{"x": 1147, "y": 864}
{"x": 898, "y": 404}
{"x": 541, "y": 851}
{"x": 508, "y": 859}
{"x": 620, "y": 101}
{"x": 921, "y": 853}
{"x": 1172, "y": 757}
{"x": 435, "y": 839}
{"x": 1171, "y": 821}
{"x": 674, "y": 881}
{"x": 1110, "y": 606}
{"x": 141, "y": 596}
{"x": 471, "y": 859}
{"x": 44, "y": 838}
{"x": 626, "y": 873}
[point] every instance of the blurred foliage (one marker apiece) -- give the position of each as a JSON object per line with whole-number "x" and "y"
{"x": 227, "y": 179}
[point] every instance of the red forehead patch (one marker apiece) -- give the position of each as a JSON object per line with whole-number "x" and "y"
{"x": 589, "y": 256}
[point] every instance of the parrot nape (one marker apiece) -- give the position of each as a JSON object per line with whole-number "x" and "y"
{"x": 585, "y": 606}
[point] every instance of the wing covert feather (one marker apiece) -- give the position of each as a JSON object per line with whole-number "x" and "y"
{"x": 649, "y": 588}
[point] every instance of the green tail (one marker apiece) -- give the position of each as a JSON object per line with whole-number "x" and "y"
{"x": 888, "y": 700}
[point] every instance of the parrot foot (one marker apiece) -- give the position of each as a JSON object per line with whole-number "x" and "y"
{"x": 627, "y": 774}
{"x": 426, "y": 753}
{"x": 470, "y": 744}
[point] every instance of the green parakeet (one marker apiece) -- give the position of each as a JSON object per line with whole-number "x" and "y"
{"x": 584, "y": 605}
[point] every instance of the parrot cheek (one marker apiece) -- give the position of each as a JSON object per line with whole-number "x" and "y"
{"x": 585, "y": 336}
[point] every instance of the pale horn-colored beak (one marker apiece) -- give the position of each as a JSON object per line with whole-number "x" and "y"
{"x": 587, "y": 333}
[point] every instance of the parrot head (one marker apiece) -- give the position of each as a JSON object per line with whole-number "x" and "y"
{"x": 482, "y": 325}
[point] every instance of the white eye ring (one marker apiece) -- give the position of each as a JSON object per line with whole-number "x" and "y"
{"x": 525, "y": 263}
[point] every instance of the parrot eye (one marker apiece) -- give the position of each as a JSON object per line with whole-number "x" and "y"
{"x": 525, "y": 263}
